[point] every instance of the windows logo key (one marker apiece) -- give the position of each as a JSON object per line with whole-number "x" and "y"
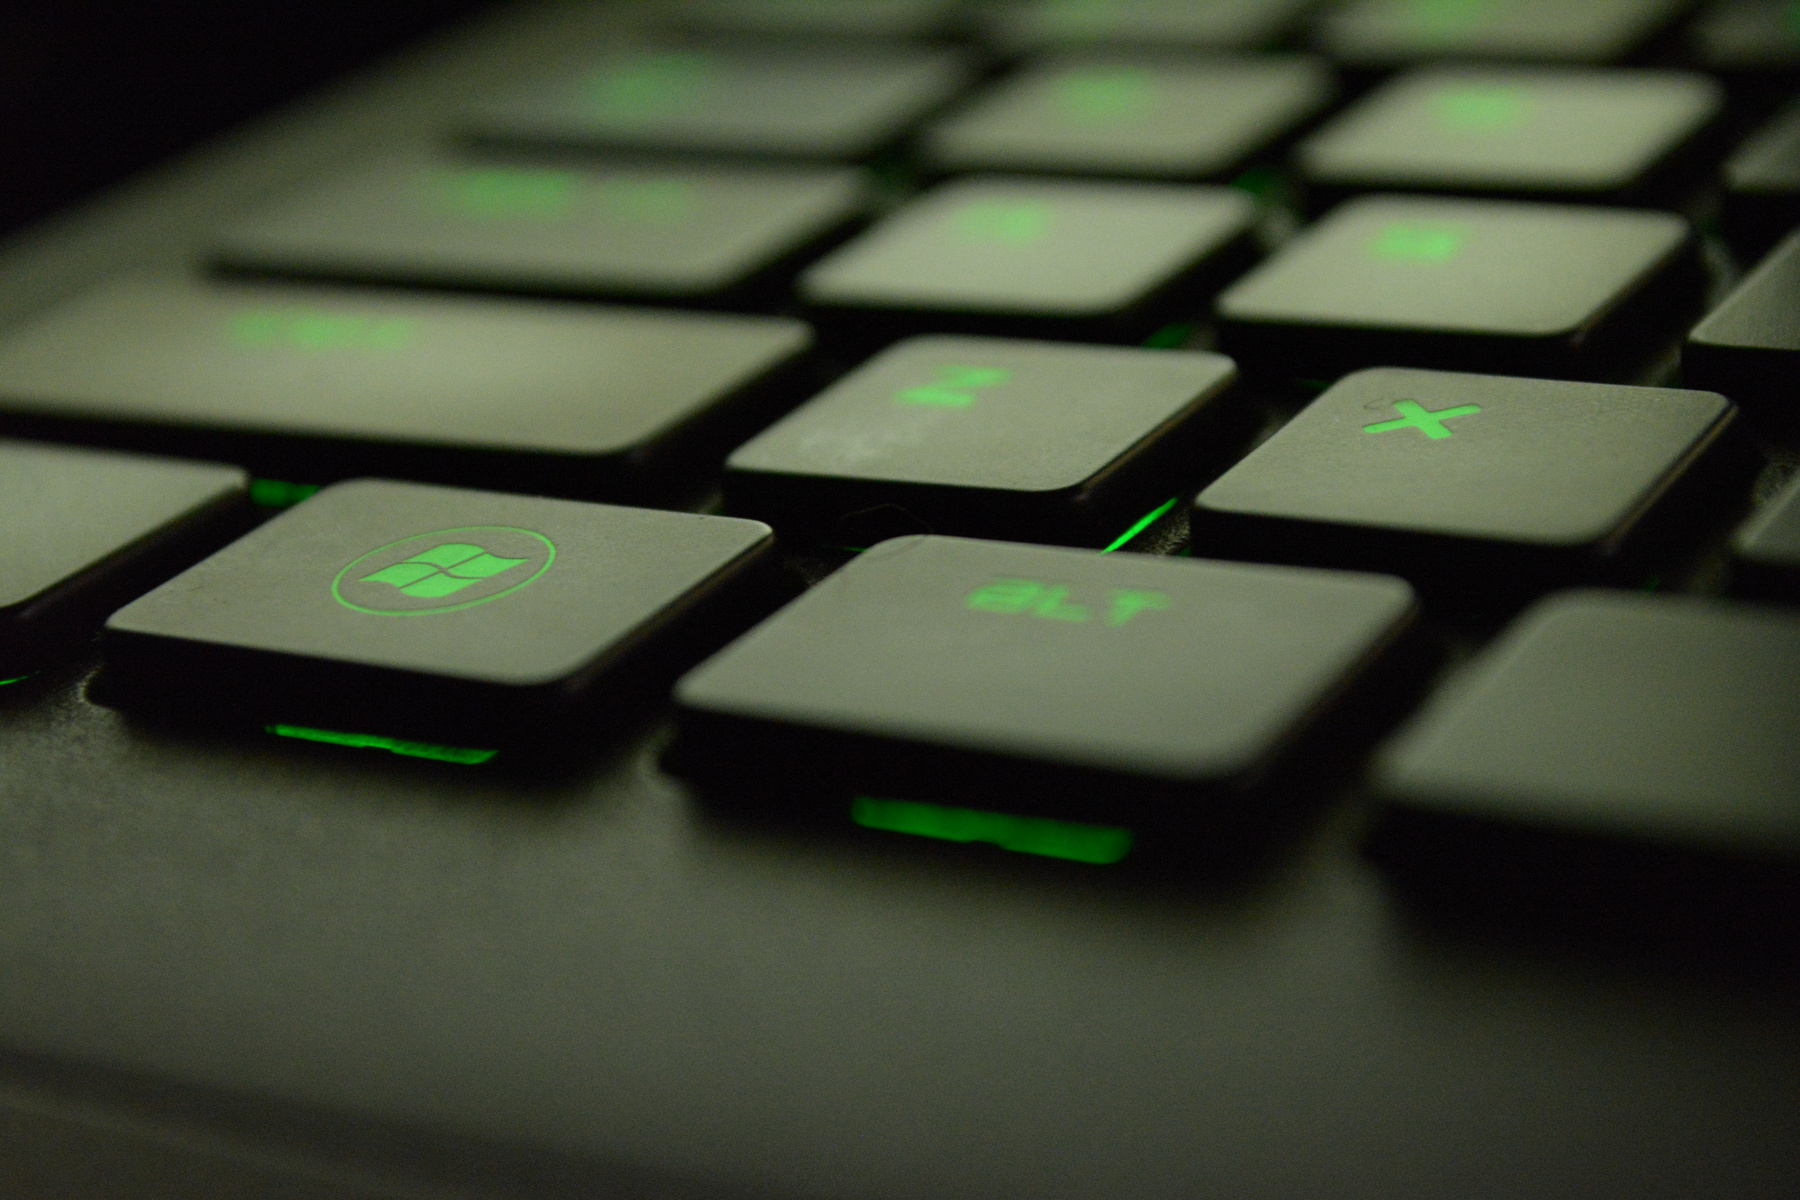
{"x": 443, "y": 571}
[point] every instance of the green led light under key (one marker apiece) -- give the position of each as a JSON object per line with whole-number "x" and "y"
{"x": 1099, "y": 844}
{"x": 370, "y": 741}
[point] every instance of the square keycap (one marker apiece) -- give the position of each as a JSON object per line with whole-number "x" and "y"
{"x": 1092, "y": 261}
{"x": 699, "y": 234}
{"x": 779, "y": 101}
{"x": 1029, "y": 440}
{"x": 1384, "y": 33}
{"x": 1616, "y": 718}
{"x": 1144, "y": 116}
{"x": 1185, "y": 24}
{"x": 82, "y": 531}
{"x": 405, "y": 609}
{"x": 1465, "y": 484}
{"x": 1544, "y": 132}
{"x": 1766, "y": 549}
{"x": 315, "y": 384}
{"x": 1111, "y": 687}
{"x": 1488, "y": 285}
{"x": 1749, "y": 346}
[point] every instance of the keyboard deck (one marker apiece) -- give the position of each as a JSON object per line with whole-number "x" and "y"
{"x": 1389, "y": 926}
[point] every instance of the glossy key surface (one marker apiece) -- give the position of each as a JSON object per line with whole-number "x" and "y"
{"x": 693, "y": 233}
{"x": 1028, "y": 440}
{"x": 1107, "y": 687}
{"x": 1470, "y": 485}
{"x": 1012, "y": 255}
{"x": 1385, "y": 33}
{"x": 1612, "y": 718}
{"x": 1531, "y": 289}
{"x": 1545, "y": 132}
{"x": 1138, "y": 116}
{"x": 1766, "y": 550}
{"x": 405, "y": 609}
{"x": 81, "y": 531}
{"x": 1187, "y": 24}
{"x": 313, "y": 384}
{"x": 1749, "y": 346}
{"x": 788, "y": 101}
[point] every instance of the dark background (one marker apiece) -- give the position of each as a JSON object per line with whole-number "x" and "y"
{"x": 92, "y": 92}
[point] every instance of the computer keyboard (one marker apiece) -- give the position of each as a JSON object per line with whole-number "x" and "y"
{"x": 901, "y": 599}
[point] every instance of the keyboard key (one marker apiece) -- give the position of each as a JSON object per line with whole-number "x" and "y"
{"x": 1188, "y": 24}
{"x": 696, "y": 234}
{"x": 1756, "y": 39}
{"x": 1386, "y": 33}
{"x": 1117, "y": 688}
{"x": 1539, "y": 132}
{"x": 397, "y": 609}
{"x": 316, "y": 384}
{"x": 1749, "y": 346}
{"x": 781, "y": 102}
{"x": 1529, "y": 289}
{"x": 797, "y": 19}
{"x": 1026, "y": 440}
{"x": 1604, "y": 722}
{"x": 1475, "y": 487}
{"x": 1766, "y": 550}
{"x": 82, "y": 531}
{"x": 1762, "y": 186}
{"x": 1150, "y": 117}
{"x": 1083, "y": 261}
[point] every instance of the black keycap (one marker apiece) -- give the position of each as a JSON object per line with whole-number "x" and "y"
{"x": 1028, "y": 440}
{"x": 1749, "y": 346}
{"x": 1385, "y": 33}
{"x": 691, "y": 233}
{"x": 1573, "y": 133}
{"x": 1088, "y": 261}
{"x": 1151, "y": 117}
{"x": 1762, "y": 186}
{"x": 1748, "y": 39}
{"x": 82, "y": 531}
{"x": 1116, "y": 688}
{"x": 1766, "y": 550}
{"x": 1474, "y": 487}
{"x": 782, "y": 102}
{"x": 1531, "y": 289}
{"x": 1188, "y": 24}
{"x": 1606, "y": 737}
{"x": 316, "y": 384}
{"x": 398, "y": 609}
{"x": 796, "y": 19}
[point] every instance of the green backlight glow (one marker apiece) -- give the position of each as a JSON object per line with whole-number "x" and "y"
{"x": 649, "y": 84}
{"x": 497, "y": 193}
{"x": 1419, "y": 242}
{"x": 1099, "y": 844}
{"x": 1142, "y": 524}
{"x": 1005, "y": 222}
{"x": 370, "y": 741}
{"x": 955, "y": 386}
{"x": 296, "y": 328}
{"x": 1482, "y": 109}
{"x": 1170, "y": 336}
{"x": 1414, "y": 415}
{"x": 1106, "y": 95}
{"x": 1446, "y": 18}
{"x": 14, "y": 679}
{"x": 277, "y": 493}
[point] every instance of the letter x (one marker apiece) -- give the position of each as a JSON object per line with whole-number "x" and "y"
{"x": 1415, "y": 416}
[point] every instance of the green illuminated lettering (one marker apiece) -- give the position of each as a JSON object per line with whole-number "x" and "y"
{"x": 494, "y": 193}
{"x": 317, "y": 330}
{"x": 1006, "y": 222}
{"x": 1097, "y": 844}
{"x": 1482, "y": 109}
{"x": 1414, "y": 415}
{"x": 648, "y": 85}
{"x": 1006, "y": 596}
{"x": 370, "y": 741}
{"x": 1051, "y": 605}
{"x": 1447, "y": 18}
{"x": 1129, "y": 602}
{"x": 1419, "y": 242}
{"x": 955, "y": 387}
{"x": 1100, "y": 95}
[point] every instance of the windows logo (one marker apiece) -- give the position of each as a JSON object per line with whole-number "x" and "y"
{"x": 443, "y": 570}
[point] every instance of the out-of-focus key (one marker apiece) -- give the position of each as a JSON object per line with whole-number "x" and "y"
{"x": 1187, "y": 24}
{"x": 797, "y": 19}
{"x": 1748, "y": 40}
{"x": 1149, "y": 117}
{"x": 679, "y": 232}
{"x": 1387, "y": 33}
{"x": 1015, "y": 256}
{"x": 1749, "y": 346}
{"x": 1549, "y": 133}
{"x": 1498, "y": 286}
{"x": 82, "y": 531}
{"x": 403, "y": 610}
{"x": 315, "y": 384}
{"x": 1475, "y": 487}
{"x": 1107, "y": 688}
{"x": 1766, "y": 550}
{"x": 1032, "y": 441}
{"x": 767, "y": 101}
{"x": 1762, "y": 186}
